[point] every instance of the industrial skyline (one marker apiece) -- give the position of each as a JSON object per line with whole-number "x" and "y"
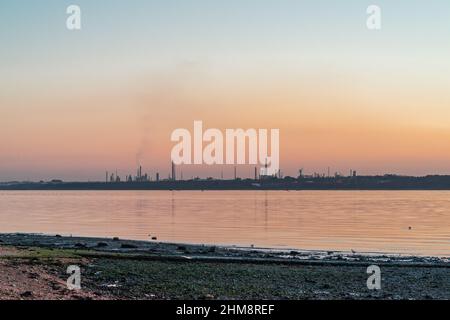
{"x": 260, "y": 173}
{"x": 215, "y": 172}
{"x": 245, "y": 172}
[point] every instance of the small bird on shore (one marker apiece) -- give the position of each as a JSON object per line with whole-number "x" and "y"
{"x": 353, "y": 251}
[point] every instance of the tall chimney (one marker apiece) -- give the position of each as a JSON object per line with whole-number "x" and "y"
{"x": 174, "y": 177}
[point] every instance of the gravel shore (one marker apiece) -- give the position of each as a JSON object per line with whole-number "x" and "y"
{"x": 34, "y": 266}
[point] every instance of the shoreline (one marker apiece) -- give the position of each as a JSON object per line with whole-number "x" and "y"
{"x": 90, "y": 242}
{"x": 75, "y": 187}
{"x": 211, "y": 251}
{"x": 352, "y": 183}
{"x": 33, "y": 266}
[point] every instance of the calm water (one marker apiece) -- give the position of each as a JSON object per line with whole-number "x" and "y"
{"x": 369, "y": 221}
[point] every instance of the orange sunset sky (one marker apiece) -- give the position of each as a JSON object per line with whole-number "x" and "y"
{"x": 77, "y": 103}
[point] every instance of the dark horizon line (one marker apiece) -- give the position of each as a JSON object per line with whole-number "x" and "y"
{"x": 384, "y": 182}
{"x": 287, "y": 177}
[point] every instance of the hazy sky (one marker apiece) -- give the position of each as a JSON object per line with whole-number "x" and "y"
{"x": 76, "y": 103}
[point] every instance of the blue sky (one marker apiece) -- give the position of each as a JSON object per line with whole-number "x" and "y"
{"x": 199, "y": 26}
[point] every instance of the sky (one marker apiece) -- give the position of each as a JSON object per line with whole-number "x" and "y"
{"x": 74, "y": 104}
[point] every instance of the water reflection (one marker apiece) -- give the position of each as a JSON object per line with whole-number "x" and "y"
{"x": 336, "y": 220}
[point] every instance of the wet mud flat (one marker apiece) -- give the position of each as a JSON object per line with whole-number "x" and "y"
{"x": 34, "y": 266}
